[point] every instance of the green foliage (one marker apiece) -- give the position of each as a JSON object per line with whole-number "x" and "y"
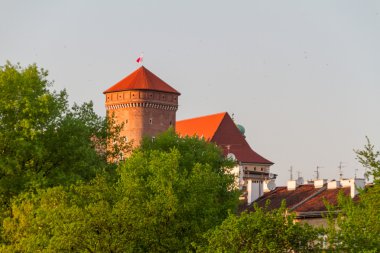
{"x": 27, "y": 111}
{"x": 369, "y": 158}
{"x": 164, "y": 199}
{"x": 357, "y": 225}
{"x": 261, "y": 231}
{"x": 75, "y": 219}
{"x": 43, "y": 142}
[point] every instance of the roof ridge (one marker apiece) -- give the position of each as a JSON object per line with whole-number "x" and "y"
{"x": 205, "y": 116}
{"x": 323, "y": 188}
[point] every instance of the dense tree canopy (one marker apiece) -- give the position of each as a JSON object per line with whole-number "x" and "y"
{"x": 165, "y": 198}
{"x": 43, "y": 142}
{"x": 261, "y": 231}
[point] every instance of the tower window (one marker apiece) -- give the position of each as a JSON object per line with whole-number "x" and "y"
{"x": 170, "y": 123}
{"x": 150, "y": 121}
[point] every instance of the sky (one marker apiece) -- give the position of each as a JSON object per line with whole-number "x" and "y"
{"x": 302, "y": 77}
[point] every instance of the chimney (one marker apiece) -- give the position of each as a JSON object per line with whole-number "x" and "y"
{"x": 255, "y": 190}
{"x": 292, "y": 185}
{"x": 355, "y": 184}
{"x": 333, "y": 184}
{"x": 319, "y": 183}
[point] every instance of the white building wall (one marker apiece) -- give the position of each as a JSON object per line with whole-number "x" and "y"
{"x": 254, "y": 189}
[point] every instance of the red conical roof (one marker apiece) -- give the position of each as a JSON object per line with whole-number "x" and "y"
{"x": 142, "y": 79}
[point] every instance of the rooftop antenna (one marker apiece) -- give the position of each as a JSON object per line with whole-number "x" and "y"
{"x": 356, "y": 170}
{"x": 291, "y": 172}
{"x": 340, "y": 170}
{"x": 298, "y": 174}
{"x": 317, "y": 171}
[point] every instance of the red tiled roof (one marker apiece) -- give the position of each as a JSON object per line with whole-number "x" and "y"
{"x": 305, "y": 200}
{"x": 204, "y": 126}
{"x": 220, "y": 129}
{"x": 317, "y": 203}
{"x": 291, "y": 198}
{"x": 142, "y": 79}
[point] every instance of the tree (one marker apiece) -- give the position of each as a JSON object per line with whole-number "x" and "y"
{"x": 357, "y": 227}
{"x": 261, "y": 231}
{"x": 369, "y": 158}
{"x": 43, "y": 142}
{"x": 168, "y": 193}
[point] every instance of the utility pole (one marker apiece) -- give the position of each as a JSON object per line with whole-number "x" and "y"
{"x": 317, "y": 171}
{"x": 340, "y": 170}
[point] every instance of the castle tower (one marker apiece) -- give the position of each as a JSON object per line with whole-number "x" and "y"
{"x": 144, "y": 103}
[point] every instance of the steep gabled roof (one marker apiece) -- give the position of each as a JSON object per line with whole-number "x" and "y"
{"x": 205, "y": 126}
{"x": 221, "y": 129}
{"x": 142, "y": 79}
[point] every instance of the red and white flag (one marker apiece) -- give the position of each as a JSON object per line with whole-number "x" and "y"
{"x": 140, "y": 59}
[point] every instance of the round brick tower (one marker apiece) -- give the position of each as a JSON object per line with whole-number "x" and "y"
{"x": 144, "y": 103}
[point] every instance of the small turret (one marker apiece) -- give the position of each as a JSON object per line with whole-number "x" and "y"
{"x": 241, "y": 129}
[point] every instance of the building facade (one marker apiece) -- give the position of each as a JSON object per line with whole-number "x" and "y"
{"x": 146, "y": 106}
{"x": 252, "y": 170}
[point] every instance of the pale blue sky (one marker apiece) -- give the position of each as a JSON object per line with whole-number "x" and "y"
{"x": 303, "y": 77}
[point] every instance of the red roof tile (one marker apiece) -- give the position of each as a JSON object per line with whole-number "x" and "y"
{"x": 291, "y": 198}
{"x": 142, "y": 79}
{"x": 204, "y": 126}
{"x": 317, "y": 203}
{"x": 220, "y": 129}
{"x": 305, "y": 199}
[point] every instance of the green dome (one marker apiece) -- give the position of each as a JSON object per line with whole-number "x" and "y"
{"x": 241, "y": 129}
